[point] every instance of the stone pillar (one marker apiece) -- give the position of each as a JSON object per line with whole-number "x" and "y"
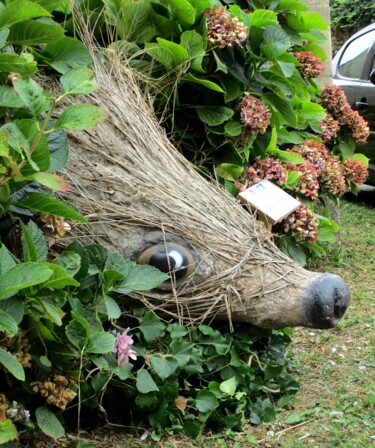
{"x": 322, "y": 8}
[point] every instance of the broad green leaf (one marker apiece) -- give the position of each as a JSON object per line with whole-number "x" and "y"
{"x": 3, "y": 37}
{"x": 347, "y": 147}
{"x": 229, "y": 386}
{"x": 24, "y": 64}
{"x": 151, "y": 326}
{"x": 277, "y": 41}
{"x": 233, "y": 128}
{"x": 7, "y": 261}
{"x": 67, "y": 53}
{"x": 70, "y": 261}
{"x": 39, "y": 240}
{"x": 100, "y": 343}
{"x": 141, "y": 278}
{"x": 361, "y": 158}
{"x": 284, "y": 108}
{"x": 58, "y": 146}
{"x": 293, "y": 179}
{"x": 229, "y": 171}
{"x": 30, "y": 252}
{"x": 49, "y": 423}
{"x": 136, "y": 22}
{"x": 189, "y": 77}
{"x": 8, "y": 324}
{"x": 8, "y": 432}
{"x": 312, "y": 111}
{"x": 287, "y": 156}
{"x": 193, "y": 42}
{"x": 23, "y": 276}
{"x": 112, "y": 307}
{"x": 206, "y": 401}
{"x": 77, "y": 334}
{"x": 64, "y": 6}
{"x": 111, "y": 278}
{"x": 52, "y": 206}
{"x": 168, "y": 54}
{"x": 80, "y": 116}
{"x": 9, "y": 98}
{"x": 14, "y": 307}
{"x": 78, "y": 81}
{"x": 32, "y": 95}
{"x": 50, "y": 311}
{"x": 11, "y": 363}
{"x": 34, "y": 32}
{"x": 164, "y": 367}
{"x": 181, "y": 11}
{"x": 20, "y": 10}
{"x": 52, "y": 181}
{"x": 145, "y": 383}
{"x": 59, "y": 278}
{"x": 262, "y": 18}
{"x": 214, "y": 115}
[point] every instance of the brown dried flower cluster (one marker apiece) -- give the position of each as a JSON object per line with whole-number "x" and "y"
{"x": 303, "y": 223}
{"x": 55, "y": 390}
{"x": 330, "y": 128}
{"x": 14, "y": 411}
{"x": 225, "y": 30}
{"x": 355, "y": 171}
{"x": 53, "y": 227}
{"x": 19, "y": 347}
{"x": 333, "y": 99}
{"x": 267, "y": 168}
{"x": 310, "y": 66}
{"x": 255, "y": 115}
{"x": 332, "y": 178}
{"x": 313, "y": 151}
{"x": 308, "y": 184}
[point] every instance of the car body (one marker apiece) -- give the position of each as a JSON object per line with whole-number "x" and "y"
{"x": 353, "y": 69}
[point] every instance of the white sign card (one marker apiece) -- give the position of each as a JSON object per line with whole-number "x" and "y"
{"x": 269, "y": 200}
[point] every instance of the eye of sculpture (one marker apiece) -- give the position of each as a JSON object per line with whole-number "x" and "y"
{"x": 170, "y": 258}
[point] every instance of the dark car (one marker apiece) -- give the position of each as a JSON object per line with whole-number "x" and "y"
{"x": 353, "y": 70}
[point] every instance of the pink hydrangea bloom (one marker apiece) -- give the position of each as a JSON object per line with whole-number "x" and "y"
{"x": 255, "y": 115}
{"x": 310, "y": 66}
{"x": 122, "y": 348}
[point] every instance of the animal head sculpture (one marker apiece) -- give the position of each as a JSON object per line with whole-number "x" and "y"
{"x": 146, "y": 201}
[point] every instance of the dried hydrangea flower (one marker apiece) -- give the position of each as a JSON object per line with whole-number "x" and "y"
{"x": 355, "y": 171}
{"x": 302, "y": 223}
{"x": 267, "y": 168}
{"x": 18, "y": 413}
{"x": 123, "y": 348}
{"x": 310, "y": 66}
{"x": 333, "y": 99}
{"x": 308, "y": 184}
{"x": 313, "y": 151}
{"x": 54, "y": 389}
{"x": 331, "y": 178}
{"x": 358, "y": 126}
{"x": 330, "y": 127}
{"x": 225, "y": 30}
{"x": 255, "y": 115}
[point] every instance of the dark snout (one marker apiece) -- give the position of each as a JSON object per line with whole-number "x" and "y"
{"x": 326, "y": 301}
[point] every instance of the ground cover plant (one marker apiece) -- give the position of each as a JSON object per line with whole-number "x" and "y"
{"x": 71, "y": 343}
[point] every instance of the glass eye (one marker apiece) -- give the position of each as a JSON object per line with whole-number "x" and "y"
{"x": 170, "y": 258}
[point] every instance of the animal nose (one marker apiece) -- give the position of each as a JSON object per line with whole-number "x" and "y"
{"x": 326, "y": 301}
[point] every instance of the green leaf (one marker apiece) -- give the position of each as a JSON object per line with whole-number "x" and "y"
{"x": 34, "y": 32}
{"x": 168, "y": 53}
{"x": 22, "y": 64}
{"x": 59, "y": 278}
{"x": 361, "y": 158}
{"x": 11, "y": 363}
{"x": 206, "y": 401}
{"x": 8, "y": 432}
{"x": 66, "y": 54}
{"x": 70, "y": 261}
{"x": 35, "y": 247}
{"x": 14, "y": 307}
{"x": 164, "y": 367}
{"x": 262, "y": 18}
{"x": 214, "y": 115}
{"x": 277, "y": 42}
{"x": 229, "y": 171}
{"x": 112, "y": 307}
{"x": 181, "y": 11}
{"x": 8, "y": 324}
{"x": 7, "y": 261}
{"x": 20, "y": 10}
{"x": 229, "y": 386}
{"x": 100, "y": 343}
{"x": 189, "y": 77}
{"x": 193, "y": 42}
{"x": 9, "y": 98}
{"x": 32, "y": 95}
{"x": 80, "y": 116}
{"x": 77, "y": 334}
{"x": 52, "y": 181}
{"x": 111, "y": 278}
{"x": 64, "y": 6}
{"x": 347, "y": 147}
{"x": 23, "y": 276}
{"x": 284, "y": 108}
{"x": 78, "y": 81}
{"x": 58, "y": 146}
{"x": 145, "y": 383}
{"x": 49, "y": 423}
{"x": 151, "y": 326}
{"x": 233, "y": 128}
{"x": 52, "y": 206}
{"x": 287, "y": 156}
{"x": 312, "y": 111}
{"x": 141, "y": 278}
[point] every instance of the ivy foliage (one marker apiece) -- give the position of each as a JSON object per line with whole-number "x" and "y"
{"x": 351, "y": 15}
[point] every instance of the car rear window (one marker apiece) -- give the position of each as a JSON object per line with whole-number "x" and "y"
{"x": 353, "y": 58}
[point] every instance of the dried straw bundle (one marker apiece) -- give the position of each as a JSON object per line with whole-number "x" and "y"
{"x": 129, "y": 180}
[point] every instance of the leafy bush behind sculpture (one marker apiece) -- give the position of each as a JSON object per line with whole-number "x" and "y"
{"x": 240, "y": 99}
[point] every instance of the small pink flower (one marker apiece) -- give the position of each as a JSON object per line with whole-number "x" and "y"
{"x": 122, "y": 348}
